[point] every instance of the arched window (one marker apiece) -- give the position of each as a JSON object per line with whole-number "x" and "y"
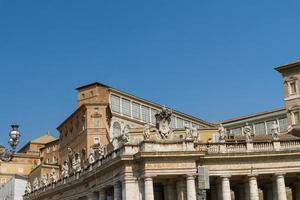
{"x": 116, "y": 129}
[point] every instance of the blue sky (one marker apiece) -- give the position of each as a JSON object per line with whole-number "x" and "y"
{"x": 211, "y": 59}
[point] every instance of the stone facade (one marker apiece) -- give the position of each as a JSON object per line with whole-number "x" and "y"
{"x": 121, "y": 147}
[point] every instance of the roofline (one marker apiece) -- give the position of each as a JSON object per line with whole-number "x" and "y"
{"x": 250, "y": 116}
{"x": 92, "y": 84}
{"x": 287, "y": 66}
{"x": 142, "y": 99}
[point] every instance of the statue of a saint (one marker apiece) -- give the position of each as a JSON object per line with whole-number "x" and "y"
{"x": 44, "y": 181}
{"x": 36, "y": 184}
{"x": 65, "y": 172}
{"x": 53, "y": 177}
{"x": 76, "y": 165}
{"x": 101, "y": 151}
{"x": 92, "y": 156}
{"x": 222, "y": 133}
{"x": 248, "y": 132}
{"x": 275, "y": 131}
{"x": 146, "y": 131}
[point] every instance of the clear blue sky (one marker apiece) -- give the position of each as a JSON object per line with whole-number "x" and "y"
{"x": 211, "y": 59}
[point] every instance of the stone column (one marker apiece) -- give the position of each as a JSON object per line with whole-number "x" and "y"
{"x": 296, "y": 191}
{"x": 180, "y": 188}
{"x": 226, "y": 192}
{"x": 280, "y": 184}
{"x": 149, "y": 192}
{"x": 102, "y": 195}
{"x": 253, "y": 189}
{"x": 130, "y": 187}
{"x": 268, "y": 192}
{"x": 190, "y": 187}
{"x": 117, "y": 191}
{"x": 92, "y": 196}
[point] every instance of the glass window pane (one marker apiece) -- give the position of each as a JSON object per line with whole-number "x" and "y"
{"x": 260, "y": 129}
{"x": 115, "y": 103}
{"x": 269, "y": 126}
{"x": 126, "y": 107}
{"x": 179, "y": 123}
{"x": 145, "y": 114}
{"x": 173, "y": 124}
{"x": 283, "y": 124}
{"x": 236, "y": 131}
{"x": 136, "y": 110}
{"x": 153, "y": 113}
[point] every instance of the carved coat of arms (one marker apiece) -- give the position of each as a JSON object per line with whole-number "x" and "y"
{"x": 163, "y": 120}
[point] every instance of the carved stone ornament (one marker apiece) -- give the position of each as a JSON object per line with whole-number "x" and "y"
{"x": 53, "y": 177}
{"x": 163, "y": 120}
{"x": 36, "y": 184}
{"x": 44, "y": 181}
{"x": 65, "y": 171}
{"x": 101, "y": 151}
{"x": 146, "y": 132}
{"x": 92, "y": 156}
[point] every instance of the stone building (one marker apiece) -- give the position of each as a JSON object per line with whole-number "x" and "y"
{"x": 122, "y": 147}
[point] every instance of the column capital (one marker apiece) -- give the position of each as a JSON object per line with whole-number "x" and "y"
{"x": 190, "y": 177}
{"x": 225, "y": 176}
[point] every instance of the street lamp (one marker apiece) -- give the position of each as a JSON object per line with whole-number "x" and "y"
{"x": 14, "y": 139}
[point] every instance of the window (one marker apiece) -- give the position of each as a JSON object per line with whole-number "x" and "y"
{"x": 283, "y": 124}
{"x": 96, "y": 140}
{"x": 96, "y": 122}
{"x": 116, "y": 129}
{"x": 295, "y": 117}
{"x": 293, "y": 88}
{"x": 236, "y": 131}
{"x": 179, "y": 123}
{"x": 115, "y": 103}
{"x": 126, "y": 107}
{"x": 269, "y": 126}
{"x": 153, "y": 113}
{"x": 136, "y": 110}
{"x": 145, "y": 114}
{"x": 173, "y": 122}
{"x": 260, "y": 128}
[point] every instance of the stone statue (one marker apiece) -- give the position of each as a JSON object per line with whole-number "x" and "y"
{"x": 146, "y": 132}
{"x": 275, "y": 131}
{"x": 191, "y": 133}
{"x": 76, "y": 165}
{"x": 28, "y": 188}
{"x": 101, "y": 151}
{"x": 65, "y": 172}
{"x": 53, "y": 177}
{"x": 92, "y": 156}
{"x": 222, "y": 133}
{"x": 36, "y": 184}
{"x": 163, "y": 120}
{"x": 248, "y": 132}
{"x": 44, "y": 181}
{"x": 124, "y": 138}
{"x": 70, "y": 155}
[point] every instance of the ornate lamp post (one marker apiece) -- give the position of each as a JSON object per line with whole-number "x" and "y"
{"x": 14, "y": 139}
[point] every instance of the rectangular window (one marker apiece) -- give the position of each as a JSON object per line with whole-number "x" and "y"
{"x": 269, "y": 126}
{"x": 145, "y": 114}
{"x": 260, "y": 129}
{"x": 153, "y": 113}
{"x": 180, "y": 123}
{"x": 296, "y": 117}
{"x": 236, "y": 131}
{"x": 293, "y": 88}
{"x": 115, "y": 103}
{"x": 136, "y": 110}
{"x": 126, "y": 107}
{"x": 173, "y": 123}
{"x": 283, "y": 124}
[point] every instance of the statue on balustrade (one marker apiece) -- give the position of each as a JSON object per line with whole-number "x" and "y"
{"x": 101, "y": 151}
{"x": 163, "y": 120}
{"x": 248, "y": 132}
{"x": 71, "y": 155}
{"x": 146, "y": 131}
{"x": 65, "y": 172}
{"x": 191, "y": 133}
{"x": 275, "y": 130}
{"x": 76, "y": 165}
{"x": 36, "y": 186}
{"x": 28, "y": 188}
{"x": 44, "y": 181}
{"x": 222, "y": 133}
{"x": 124, "y": 137}
{"x": 53, "y": 177}
{"x": 92, "y": 156}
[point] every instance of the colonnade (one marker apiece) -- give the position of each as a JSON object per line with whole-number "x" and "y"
{"x": 248, "y": 189}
